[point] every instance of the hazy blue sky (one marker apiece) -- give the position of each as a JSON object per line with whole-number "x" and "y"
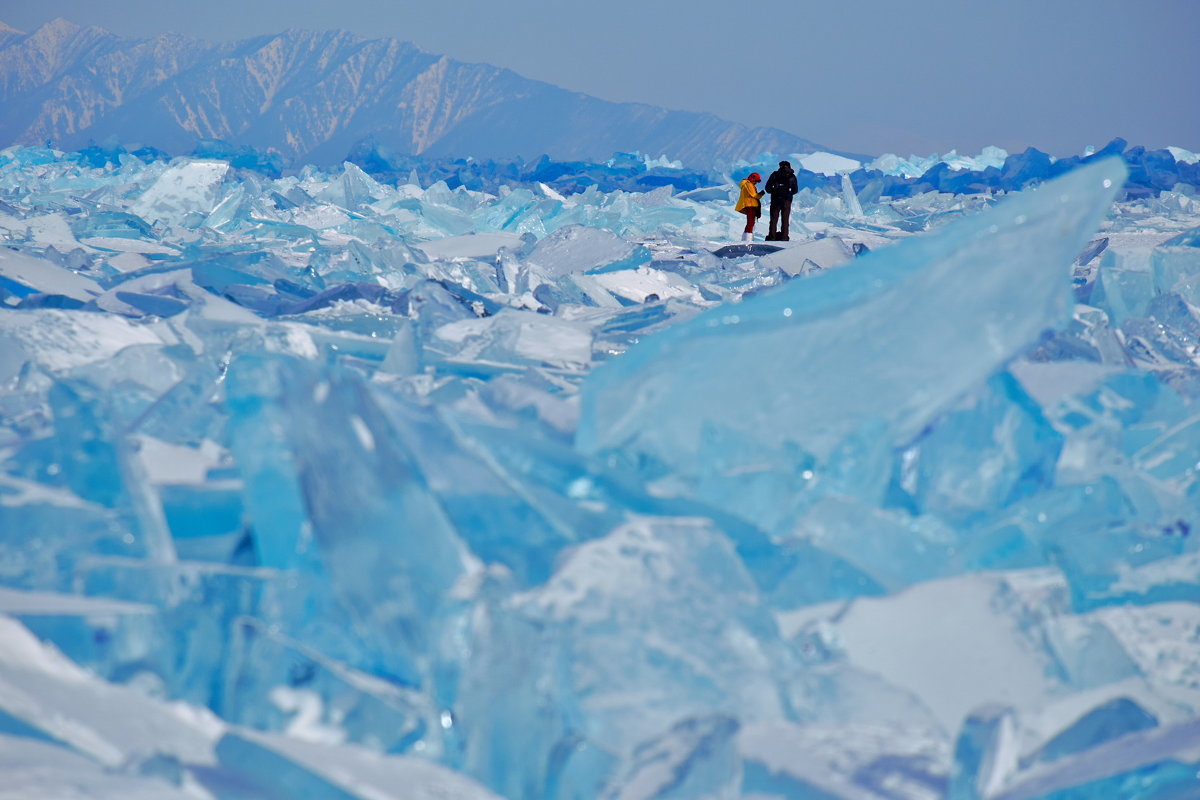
{"x": 861, "y": 75}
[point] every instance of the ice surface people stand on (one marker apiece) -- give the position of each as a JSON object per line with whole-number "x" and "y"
{"x": 781, "y": 185}
{"x": 748, "y": 204}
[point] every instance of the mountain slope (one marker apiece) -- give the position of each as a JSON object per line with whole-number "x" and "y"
{"x": 312, "y": 96}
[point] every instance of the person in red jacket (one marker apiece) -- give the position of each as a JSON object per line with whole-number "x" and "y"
{"x": 748, "y": 203}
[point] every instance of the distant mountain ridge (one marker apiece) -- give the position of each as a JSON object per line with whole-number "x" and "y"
{"x": 313, "y": 96}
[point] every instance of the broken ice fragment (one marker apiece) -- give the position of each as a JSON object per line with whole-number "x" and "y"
{"x": 275, "y": 682}
{"x": 985, "y": 754}
{"x": 1176, "y": 266}
{"x": 1107, "y": 721}
{"x": 519, "y": 337}
{"x": 330, "y": 481}
{"x": 803, "y": 257}
{"x": 993, "y": 447}
{"x": 1123, "y": 288}
{"x": 697, "y": 758}
{"x": 578, "y": 249}
{"x": 23, "y": 275}
{"x": 998, "y": 638}
{"x": 186, "y": 187}
{"x": 820, "y": 761}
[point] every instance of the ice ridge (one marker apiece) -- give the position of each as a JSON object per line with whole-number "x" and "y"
{"x": 1151, "y": 171}
{"x": 853, "y": 351}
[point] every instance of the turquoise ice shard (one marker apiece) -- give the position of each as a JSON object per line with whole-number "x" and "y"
{"x": 184, "y": 187}
{"x": 991, "y": 447}
{"x": 330, "y": 476}
{"x": 984, "y": 755}
{"x": 853, "y": 207}
{"x": 652, "y": 624}
{"x": 1176, "y": 266}
{"x": 885, "y": 344}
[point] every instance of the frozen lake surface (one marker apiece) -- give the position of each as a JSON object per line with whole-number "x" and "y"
{"x": 318, "y": 486}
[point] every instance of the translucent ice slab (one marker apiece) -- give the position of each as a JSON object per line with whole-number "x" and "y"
{"x": 23, "y": 275}
{"x": 937, "y": 314}
{"x": 188, "y": 187}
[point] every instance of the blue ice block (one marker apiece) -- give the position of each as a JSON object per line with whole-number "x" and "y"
{"x": 1176, "y": 266}
{"x": 889, "y": 342}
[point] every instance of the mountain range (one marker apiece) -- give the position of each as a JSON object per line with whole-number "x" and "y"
{"x": 313, "y": 96}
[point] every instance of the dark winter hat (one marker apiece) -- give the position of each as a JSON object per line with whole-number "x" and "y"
{"x": 785, "y": 163}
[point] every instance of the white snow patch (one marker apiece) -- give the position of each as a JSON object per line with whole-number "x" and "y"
{"x": 165, "y": 462}
{"x": 46, "y": 277}
{"x": 52, "y": 229}
{"x": 122, "y": 245}
{"x": 187, "y": 186}
{"x": 308, "y": 709}
{"x": 824, "y": 253}
{"x": 638, "y": 284}
{"x": 828, "y": 163}
{"x": 473, "y": 245}
{"x": 112, "y": 724}
{"x": 59, "y": 339}
{"x": 16, "y": 491}
{"x": 970, "y": 653}
{"x": 128, "y": 262}
{"x": 33, "y": 769}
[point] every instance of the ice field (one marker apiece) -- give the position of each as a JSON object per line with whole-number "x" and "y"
{"x": 323, "y": 486}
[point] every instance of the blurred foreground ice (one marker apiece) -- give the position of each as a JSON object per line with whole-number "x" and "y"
{"x": 319, "y": 487}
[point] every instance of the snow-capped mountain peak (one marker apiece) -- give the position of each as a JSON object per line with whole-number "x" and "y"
{"x": 315, "y": 95}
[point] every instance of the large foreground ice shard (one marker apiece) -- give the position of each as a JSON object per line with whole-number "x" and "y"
{"x": 854, "y": 358}
{"x": 321, "y": 463}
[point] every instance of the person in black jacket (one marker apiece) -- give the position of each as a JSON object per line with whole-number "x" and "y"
{"x": 781, "y": 186}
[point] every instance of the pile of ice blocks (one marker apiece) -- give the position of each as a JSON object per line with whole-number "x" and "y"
{"x": 317, "y": 486}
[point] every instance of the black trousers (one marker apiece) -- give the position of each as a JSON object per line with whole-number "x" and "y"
{"x": 781, "y": 212}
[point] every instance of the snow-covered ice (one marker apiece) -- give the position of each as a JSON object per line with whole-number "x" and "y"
{"x": 327, "y": 485}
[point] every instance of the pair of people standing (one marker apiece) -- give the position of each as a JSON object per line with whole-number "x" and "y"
{"x": 781, "y": 185}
